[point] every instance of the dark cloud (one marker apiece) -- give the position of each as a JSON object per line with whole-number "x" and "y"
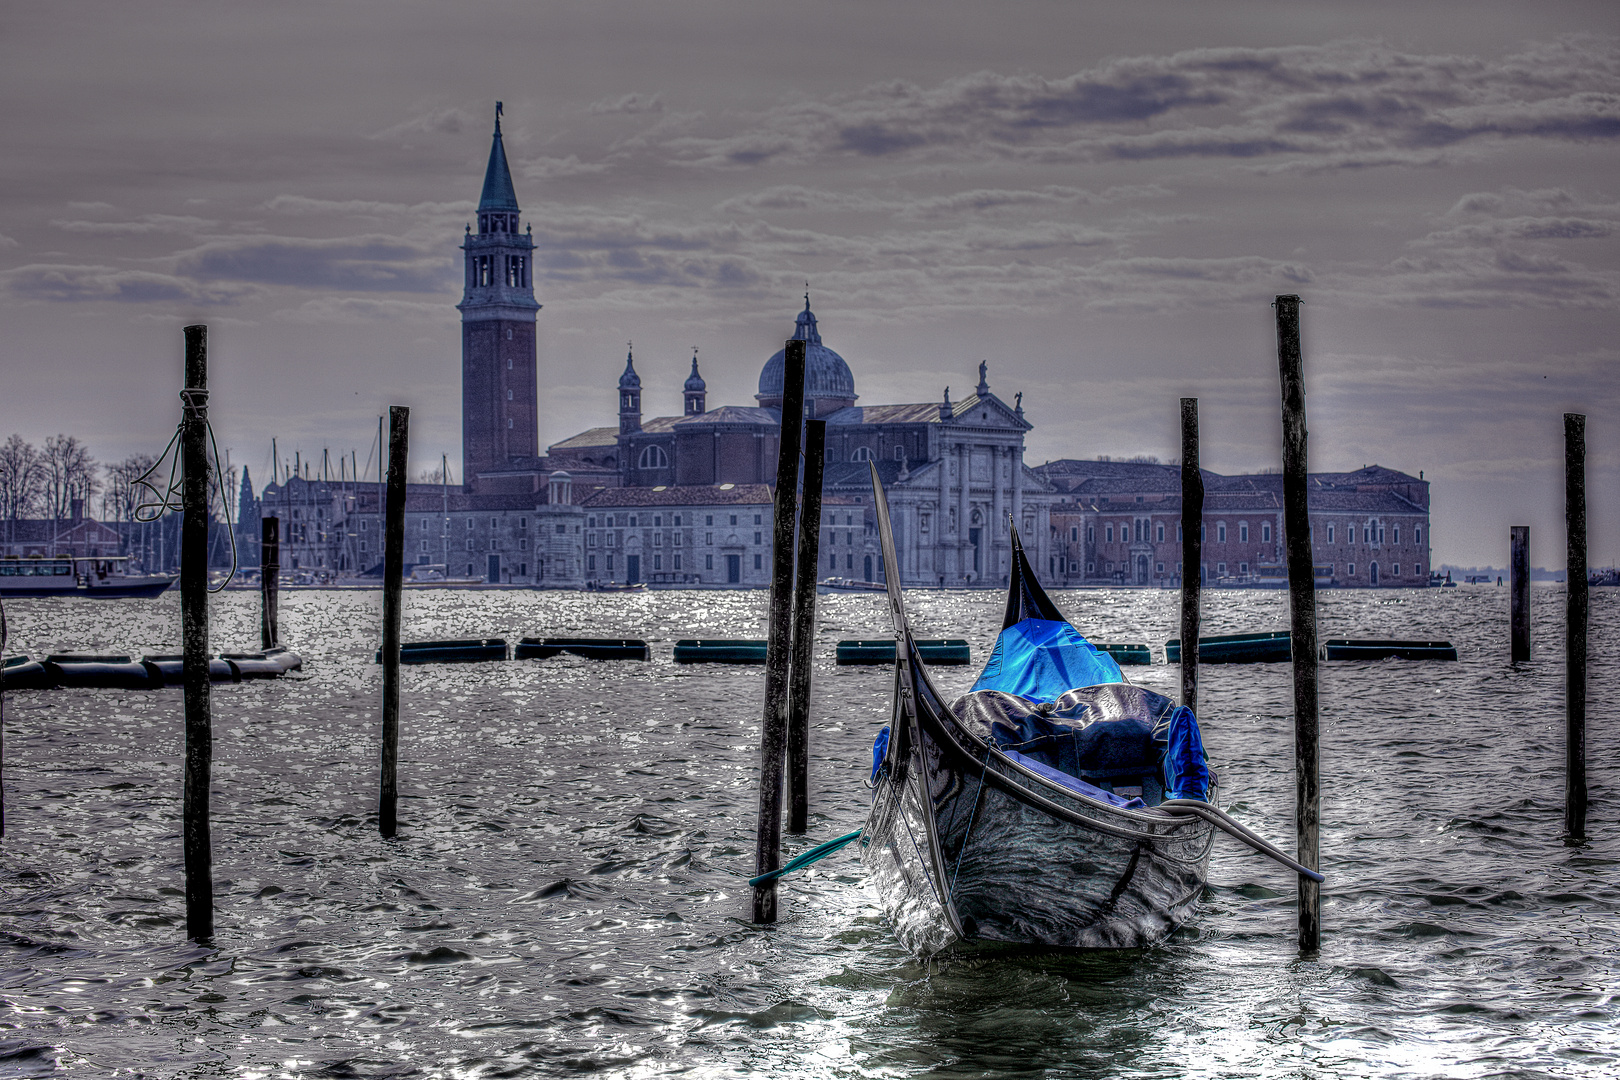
{"x": 370, "y": 264}
{"x": 79, "y": 284}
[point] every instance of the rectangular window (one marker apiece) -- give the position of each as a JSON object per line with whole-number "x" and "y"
{"x": 609, "y": 521}
{"x": 1159, "y": 567}
{"x": 523, "y": 543}
{"x": 1110, "y": 534}
{"x": 708, "y": 519}
{"x": 658, "y": 562}
{"x": 1243, "y": 568}
{"x": 610, "y": 563}
{"x": 1178, "y": 534}
{"x": 1350, "y": 570}
{"x": 1220, "y": 568}
{"x": 1330, "y": 534}
{"x": 493, "y": 523}
{"x": 677, "y": 560}
{"x": 1417, "y": 535}
{"x": 590, "y": 523}
{"x": 1265, "y": 532}
{"x": 658, "y": 521}
{"x": 677, "y": 520}
{"x": 1220, "y": 536}
{"x": 708, "y": 562}
{"x": 1395, "y": 570}
{"x": 708, "y": 538}
{"x": 677, "y": 539}
{"x": 562, "y": 530}
{"x": 734, "y": 519}
{"x": 1160, "y": 535}
{"x": 1091, "y": 568}
{"x": 1091, "y": 534}
{"x": 362, "y": 526}
{"x": 832, "y": 561}
{"x": 590, "y": 562}
{"x": 849, "y": 561}
{"x": 1243, "y": 532}
{"x": 757, "y": 538}
{"x": 590, "y": 539}
{"x": 424, "y": 543}
{"x": 632, "y": 521}
{"x": 759, "y": 562}
{"x": 658, "y": 539}
{"x": 756, "y": 519}
{"x": 1074, "y": 533}
{"x": 1397, "y": 538}
{"x": 523, "y": 523}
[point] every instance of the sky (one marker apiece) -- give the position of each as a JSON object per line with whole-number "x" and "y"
{"x": 1098, "y": 199}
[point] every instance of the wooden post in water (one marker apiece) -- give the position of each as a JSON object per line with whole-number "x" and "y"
{"x": 804, "y": 627}
{"x": 2, "y": 720}
{"x": 1576, "y": 612}
{"x": 773, "y": 731}
{"x": 269, "y": 582}
{"x": 1192, "y": 551}
{"x": 199, "y": 753}
{"x": 399, "y": 426}
{"x": 1519, "y": 575}
{"x": 1302, "y": 625}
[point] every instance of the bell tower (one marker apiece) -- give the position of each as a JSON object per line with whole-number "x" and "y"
{"x": 499, "y": 409}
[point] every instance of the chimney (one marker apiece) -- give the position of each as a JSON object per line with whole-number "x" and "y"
{"x": 76, "y": 510}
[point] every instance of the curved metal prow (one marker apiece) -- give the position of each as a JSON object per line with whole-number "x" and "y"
{"x": 891, "y": 568}
{"x": 1025, "y": 597}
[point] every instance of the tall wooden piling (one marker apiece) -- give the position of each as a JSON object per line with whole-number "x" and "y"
{"x": 399, "y": 425}
{"x": 1519, "y": 574}
{"x": 199, "y": 861}
{"x": 1576, "y": 615}
{"x": 269, "y": 582}
{"x": 1192, "y": 551}
{"x": 804, "y": 627}
{"x": 773, "y": 731}
{"x": 2, "y": 722}
{"x": 1302, "y": 624}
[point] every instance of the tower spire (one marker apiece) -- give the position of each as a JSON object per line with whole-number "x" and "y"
{"x": 498, "y": 196}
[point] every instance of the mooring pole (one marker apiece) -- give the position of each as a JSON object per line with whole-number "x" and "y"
{"x": 1576, "y": 613}
{"x": 804, "y": 627}
{"x": 1192, "y": 551}
{"x": 399, "y": 425}
{"x": 2, "y": 721}
{"x": 199, "y": 860}
{"x": 1302, "y": 609}
{"x": 1519, "y": 573}
{"x": 269, "y": 582}
{"x": 773, "y": 732}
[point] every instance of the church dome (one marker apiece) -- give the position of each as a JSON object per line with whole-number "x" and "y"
{"x": 826, "y": 375}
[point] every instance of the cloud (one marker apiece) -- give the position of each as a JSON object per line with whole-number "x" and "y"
{"x": 145, "y": 224}
{"x": 629, "y": 104}
{"x": 363, "y": 309}
{"x": 371, "y": 263}
{"x": 76, "y": 284}
{"x": 444, "y": 121}
{"x": 8, "y": 242}
{"x": 550, "y": 168}
{"x": 1352, "y": 104}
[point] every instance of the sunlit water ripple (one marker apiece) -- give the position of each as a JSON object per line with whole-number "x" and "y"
{"x": 567, "y": 894}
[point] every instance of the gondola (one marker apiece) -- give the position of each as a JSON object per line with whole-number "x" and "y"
{"x": 1053, "y": 805}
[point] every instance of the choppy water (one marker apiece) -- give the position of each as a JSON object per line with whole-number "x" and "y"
{"x": 567, "y": 894}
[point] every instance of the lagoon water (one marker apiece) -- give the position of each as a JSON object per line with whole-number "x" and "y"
{"x": 568, "y": 891}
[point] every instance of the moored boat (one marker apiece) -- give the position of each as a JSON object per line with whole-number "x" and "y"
{"x": 102, "y": 576}
{"x": 1054, "y": 804}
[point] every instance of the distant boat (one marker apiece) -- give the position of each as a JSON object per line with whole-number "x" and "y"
{"x": 100, "y": 576}
{"x": 844, "y": 584}
{"x": 616, "y": 586}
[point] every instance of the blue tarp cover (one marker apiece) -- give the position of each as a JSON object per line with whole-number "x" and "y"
{"x": 1074, "y": 783}
{"x": 1039, "y": 659}
{"x": 1186, "y": 769}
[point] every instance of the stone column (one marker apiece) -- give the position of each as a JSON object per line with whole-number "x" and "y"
{"x": 1035, "y": 545}
{"x": 998, "y": 545}
{"x": 964, "y": 454}
{"x": 942, "y": 516}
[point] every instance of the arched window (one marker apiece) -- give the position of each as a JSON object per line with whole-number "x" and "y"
{"x": 653, "y": 457}
{"x": 862, "y": 453}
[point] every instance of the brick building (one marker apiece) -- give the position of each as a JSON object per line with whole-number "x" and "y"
{"x": 1119, "y": 522}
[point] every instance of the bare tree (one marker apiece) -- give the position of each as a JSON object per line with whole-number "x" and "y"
{"x": 22, "y": 480}
{"x": 70, "y": 473}
{"x": 430, "y": 476}
{"x": 121, "y": 493}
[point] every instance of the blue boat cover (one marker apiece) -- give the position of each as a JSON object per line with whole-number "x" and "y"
{"x": 1039, "y": 659}
{"x": 1074, "y": 783}
{"x": 1186, "y": 768}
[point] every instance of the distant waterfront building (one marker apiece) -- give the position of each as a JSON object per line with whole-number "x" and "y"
{"x": 1119, "y": 522}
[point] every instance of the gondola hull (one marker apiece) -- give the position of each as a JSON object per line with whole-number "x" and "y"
{"x": 965, "y": 846}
